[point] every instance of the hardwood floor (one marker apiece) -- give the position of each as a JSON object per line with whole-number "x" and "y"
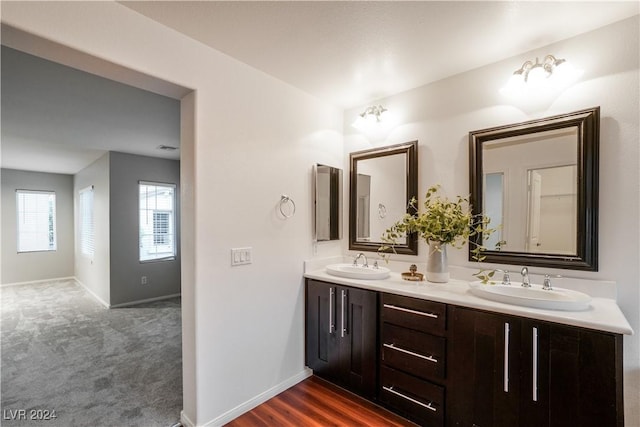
{"x": 315, "y": 402}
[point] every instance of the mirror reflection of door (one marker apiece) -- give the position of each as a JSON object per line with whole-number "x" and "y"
{"x": 533, "y": 213}
{"x": 323, "y": 203}
{"x": 553, "y": 204}
{"x": 328, "y": 184}
{"x": 364, "y": 206}
{"x": 494, "y": 209}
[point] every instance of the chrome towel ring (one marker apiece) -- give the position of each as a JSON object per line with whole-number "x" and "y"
{"x": 285, "y": 200}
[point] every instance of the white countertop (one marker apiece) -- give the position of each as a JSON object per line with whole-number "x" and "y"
{"x": 603, "y": 314}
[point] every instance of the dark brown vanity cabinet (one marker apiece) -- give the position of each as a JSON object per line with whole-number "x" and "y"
{"x": 341, "y": 331}
{"x": 512, "y": 371}
{"x": 413, "y": 357}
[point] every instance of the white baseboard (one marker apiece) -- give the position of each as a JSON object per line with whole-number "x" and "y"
{"x": 142, "y": 301}
{"x": 35, "y": 282}
{"x": 93, "y": 294}
{"x": 259, "y": 399}
{"x": 186, "y": 422}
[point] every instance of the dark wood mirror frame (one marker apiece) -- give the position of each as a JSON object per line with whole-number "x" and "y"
{"x": 588, "y": 126}
{"x": 410, "y": 149}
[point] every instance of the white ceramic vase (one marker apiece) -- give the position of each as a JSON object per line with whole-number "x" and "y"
{"x": 437, "y": 265}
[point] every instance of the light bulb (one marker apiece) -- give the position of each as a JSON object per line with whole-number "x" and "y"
{"x": 536, "y": 76}
{"x": 514, "y": 85}
{"x": 564, "y": 75}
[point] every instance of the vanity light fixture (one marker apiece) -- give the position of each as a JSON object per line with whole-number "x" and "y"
{"x": 551, "y": 72}
{"x": 370, "y": 116}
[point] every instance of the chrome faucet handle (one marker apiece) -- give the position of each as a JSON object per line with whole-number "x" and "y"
{"x": 375, "y": 264}
{"x": 506, "y": 278}
{"x": 546, "y": 284}
{"x": 525, "y": 277}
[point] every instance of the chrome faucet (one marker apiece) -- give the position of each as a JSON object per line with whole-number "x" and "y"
{"x": 546, "y": 285}
{"x": 525, "y": 277}
{"x": 506, "y": 279}
{"x": 361, "y": 255}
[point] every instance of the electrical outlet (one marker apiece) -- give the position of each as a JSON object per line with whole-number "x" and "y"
{"x": 143, "y": 280}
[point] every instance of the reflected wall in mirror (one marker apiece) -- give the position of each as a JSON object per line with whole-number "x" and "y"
{"x": 328, "y": 203}
{"x": 382, "y": 181}
{"x": 538, "y": 183}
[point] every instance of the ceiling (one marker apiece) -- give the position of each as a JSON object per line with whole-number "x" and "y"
{"x": 351, "y": 52}
{"x": 345, "y": 53}
{"x": 59, "y": 119}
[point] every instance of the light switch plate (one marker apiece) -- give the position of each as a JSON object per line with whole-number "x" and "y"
{"x": 240, "y": 256}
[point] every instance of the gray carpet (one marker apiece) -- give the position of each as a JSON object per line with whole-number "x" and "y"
{"x": 63, "y": 351}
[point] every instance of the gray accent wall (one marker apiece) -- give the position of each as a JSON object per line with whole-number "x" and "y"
{"x": 94, "y": 273}
{"x": 163, "y": 277}
{"x": 33, "y": 266}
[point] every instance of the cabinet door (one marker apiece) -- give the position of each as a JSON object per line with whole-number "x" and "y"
{"x": 570, "y": 376}
{"x": 357, "y": 326}
{"x": 341, "y": 335}
{"x": 483, "y": 369}
{"x": 322, "y": 352}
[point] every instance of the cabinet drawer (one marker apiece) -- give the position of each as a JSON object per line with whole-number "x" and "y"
{"x": 414, "y": 352}
{"x": 413, "y": 313}
{"x": 412, "y": 397}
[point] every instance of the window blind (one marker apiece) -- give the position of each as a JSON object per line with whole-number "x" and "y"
{"x": 36, "y": 216}
{"x": 157, "y": 221}
{"x": 87, "y": 227}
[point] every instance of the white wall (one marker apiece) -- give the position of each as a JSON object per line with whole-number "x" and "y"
{"x": 440, "y": 116}
{"x": 32, "y": 266}
{"x": 94, "y": 273}
{"x": 254, "y": 139}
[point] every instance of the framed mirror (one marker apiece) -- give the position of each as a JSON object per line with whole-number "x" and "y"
{"x": 327, "y": 188}
{"x": 382, "y": 182}
{"x": 537, "y": 182}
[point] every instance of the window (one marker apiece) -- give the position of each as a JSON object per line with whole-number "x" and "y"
{"x": 36, "y": 220}
{"x": 87, "y": 234}
{"x": 157, "y": 221}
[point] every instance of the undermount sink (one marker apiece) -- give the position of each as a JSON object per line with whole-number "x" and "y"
{"x": 351, "y": 271}
{"x": 535, "y": 296}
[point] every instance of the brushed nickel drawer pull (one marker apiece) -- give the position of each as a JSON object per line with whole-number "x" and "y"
{"x": 408, "y": 310}
{"x": 344, "y": 309}
{"x": 506, "y": 357}
{"x": 535, "y": 364}
{"x": 393, "y": 347}
{"x": 331, "y": 326}
{"x": 410, "y": 399}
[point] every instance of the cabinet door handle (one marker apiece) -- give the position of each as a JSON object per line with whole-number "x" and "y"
{"x": 506, "y": 357}
{"x": 393, "y": 347}
{"x": 535, "y": 364}
{"x": 429, "y": 405}
{"x": 331, "y": 324}
{"x": 344, "y": 308}
{"x": 408, "y": 310}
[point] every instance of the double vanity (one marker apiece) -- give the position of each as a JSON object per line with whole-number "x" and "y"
{"x": 467, "y": 353}
{"x": 444, "y": 355}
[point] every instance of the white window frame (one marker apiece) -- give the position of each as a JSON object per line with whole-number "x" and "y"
{"x": 49, "y": 229}
{"x": 156, "y": 252}
{"x": 87, "y": 222}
